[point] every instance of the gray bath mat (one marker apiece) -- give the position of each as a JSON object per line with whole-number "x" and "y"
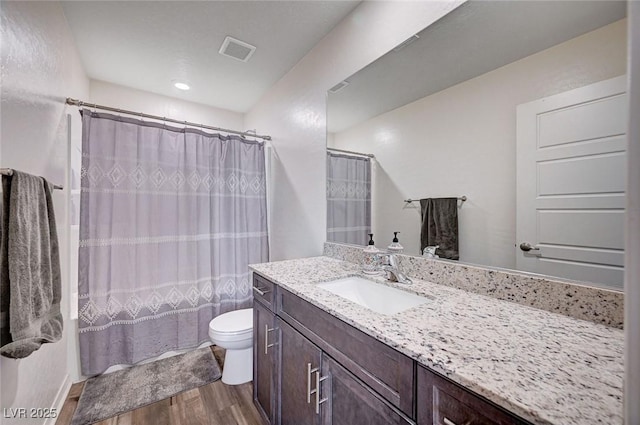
{"x": 109, "y": 395}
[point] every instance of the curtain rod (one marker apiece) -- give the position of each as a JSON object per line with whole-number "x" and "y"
{"x": 80, "y": 103}
{"x": 461, "y": 198}
{"x": 370, "y": 155}
{"x": 9, "y": 172}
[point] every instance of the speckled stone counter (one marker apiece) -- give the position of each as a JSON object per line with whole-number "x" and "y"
{"x": 545, "y": 367}
{"x": 571, "y": 298}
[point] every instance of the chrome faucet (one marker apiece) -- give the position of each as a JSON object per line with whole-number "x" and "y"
{"x": 392, "y": 270}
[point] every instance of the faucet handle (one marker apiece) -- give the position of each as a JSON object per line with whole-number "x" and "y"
{"x": 388, "y": 259}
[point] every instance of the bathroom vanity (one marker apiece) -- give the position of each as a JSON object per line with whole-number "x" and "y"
{"x": 459, "y": 358}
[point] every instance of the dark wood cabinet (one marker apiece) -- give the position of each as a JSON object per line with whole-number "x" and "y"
{"x": 264, "y": 362}
{"x": 299, "y": 362}
{"x": 350, "y": 402}
{"x": 442, "y": 402}
{"x": 314, "y": 353}
{"x": 311, "y": 368}
{"x": 387, "y": 371}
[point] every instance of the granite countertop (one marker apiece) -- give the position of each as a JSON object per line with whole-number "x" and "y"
{"x": 545, "y": 367}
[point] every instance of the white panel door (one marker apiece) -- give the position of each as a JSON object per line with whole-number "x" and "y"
{"x": 571, "y": 179}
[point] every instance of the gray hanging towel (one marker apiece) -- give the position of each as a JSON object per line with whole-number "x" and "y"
{"x": 440, "y": 226}
{"x": 30, "y": 284}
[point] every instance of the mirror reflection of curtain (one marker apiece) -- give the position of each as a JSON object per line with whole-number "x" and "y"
{"x": 170, "y": 218}
{"x": 348, "y": 198}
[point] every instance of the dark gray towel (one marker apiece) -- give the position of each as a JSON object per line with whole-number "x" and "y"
{"x": 30, "y": 283}
{"x": 440, "y": 226}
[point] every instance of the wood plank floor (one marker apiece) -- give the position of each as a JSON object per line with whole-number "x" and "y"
{"x": 213, "y": 404}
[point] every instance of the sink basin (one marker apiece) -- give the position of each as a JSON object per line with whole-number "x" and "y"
{"x": 374, "y": 296}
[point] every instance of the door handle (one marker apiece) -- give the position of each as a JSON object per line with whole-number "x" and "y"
{"x": 526, "y": 247}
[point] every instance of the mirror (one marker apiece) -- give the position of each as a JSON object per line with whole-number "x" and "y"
{"x": 444, "y": 115}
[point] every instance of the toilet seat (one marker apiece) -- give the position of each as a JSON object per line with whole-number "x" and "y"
{"x": 230, "y": 336}
{"x": 232, "y": 325}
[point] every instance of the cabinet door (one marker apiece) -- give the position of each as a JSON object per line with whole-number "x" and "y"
{"x": 299, "y": 358}
{"x": 350, "y": 402}
{"x": 264, "y": 362}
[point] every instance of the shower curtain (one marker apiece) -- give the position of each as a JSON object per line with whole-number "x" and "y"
{"x": 169, "y": 220}
{"x": 348, "y": 198}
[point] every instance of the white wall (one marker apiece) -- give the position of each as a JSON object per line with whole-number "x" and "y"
{"x": 461, "y": 141}
{"x": 40, "y": 68}
{"x": 293, "y": 112}
{"x": 117, "y": 96}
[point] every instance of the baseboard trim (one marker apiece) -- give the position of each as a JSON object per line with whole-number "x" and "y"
{"x": 60, "y": 399}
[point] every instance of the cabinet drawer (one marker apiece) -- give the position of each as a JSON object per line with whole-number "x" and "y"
{"x": 264, "y": 291}
{"x": 349, "y": 402}
{"x": 388, "y": 372}
{"x": 441, "y": 402}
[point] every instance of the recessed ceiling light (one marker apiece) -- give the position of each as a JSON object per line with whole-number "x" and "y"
{"x": 180, "y": 85}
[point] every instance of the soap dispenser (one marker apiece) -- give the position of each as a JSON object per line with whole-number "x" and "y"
{"x": 395, "y": 247}
{"x": 370, "y": 257}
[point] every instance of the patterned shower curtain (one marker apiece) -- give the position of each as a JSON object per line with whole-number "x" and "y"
{"x": 169, "y": 220}
{"x": 348, "y": 198}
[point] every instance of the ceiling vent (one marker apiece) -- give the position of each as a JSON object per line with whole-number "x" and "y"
{"x": 339, "y": 86}
{"x": 406, "y": 42}
{"x": 236, "y": 49}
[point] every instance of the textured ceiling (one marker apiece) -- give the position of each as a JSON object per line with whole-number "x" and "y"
{"x": 148, "y": 44}
{"x": 475, "y": 38}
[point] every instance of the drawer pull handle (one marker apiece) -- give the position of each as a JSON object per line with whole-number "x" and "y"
{"x": 319, "y": 401}
{"x": 266, "y": 338}
{"x": 260, "y": 291}
{"x": 309, "y": 390}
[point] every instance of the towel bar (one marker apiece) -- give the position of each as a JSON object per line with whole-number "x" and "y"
{"x": 9, "y": 172}
{"x": 461, "y": 198}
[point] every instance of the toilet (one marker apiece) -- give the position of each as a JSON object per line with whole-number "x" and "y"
{"x": 233, "y": 331}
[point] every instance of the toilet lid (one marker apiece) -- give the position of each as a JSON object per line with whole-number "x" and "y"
{"x": 233, "y": 321}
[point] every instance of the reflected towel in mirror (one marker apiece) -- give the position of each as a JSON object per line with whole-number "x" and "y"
{"x": 440, "y": 226}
